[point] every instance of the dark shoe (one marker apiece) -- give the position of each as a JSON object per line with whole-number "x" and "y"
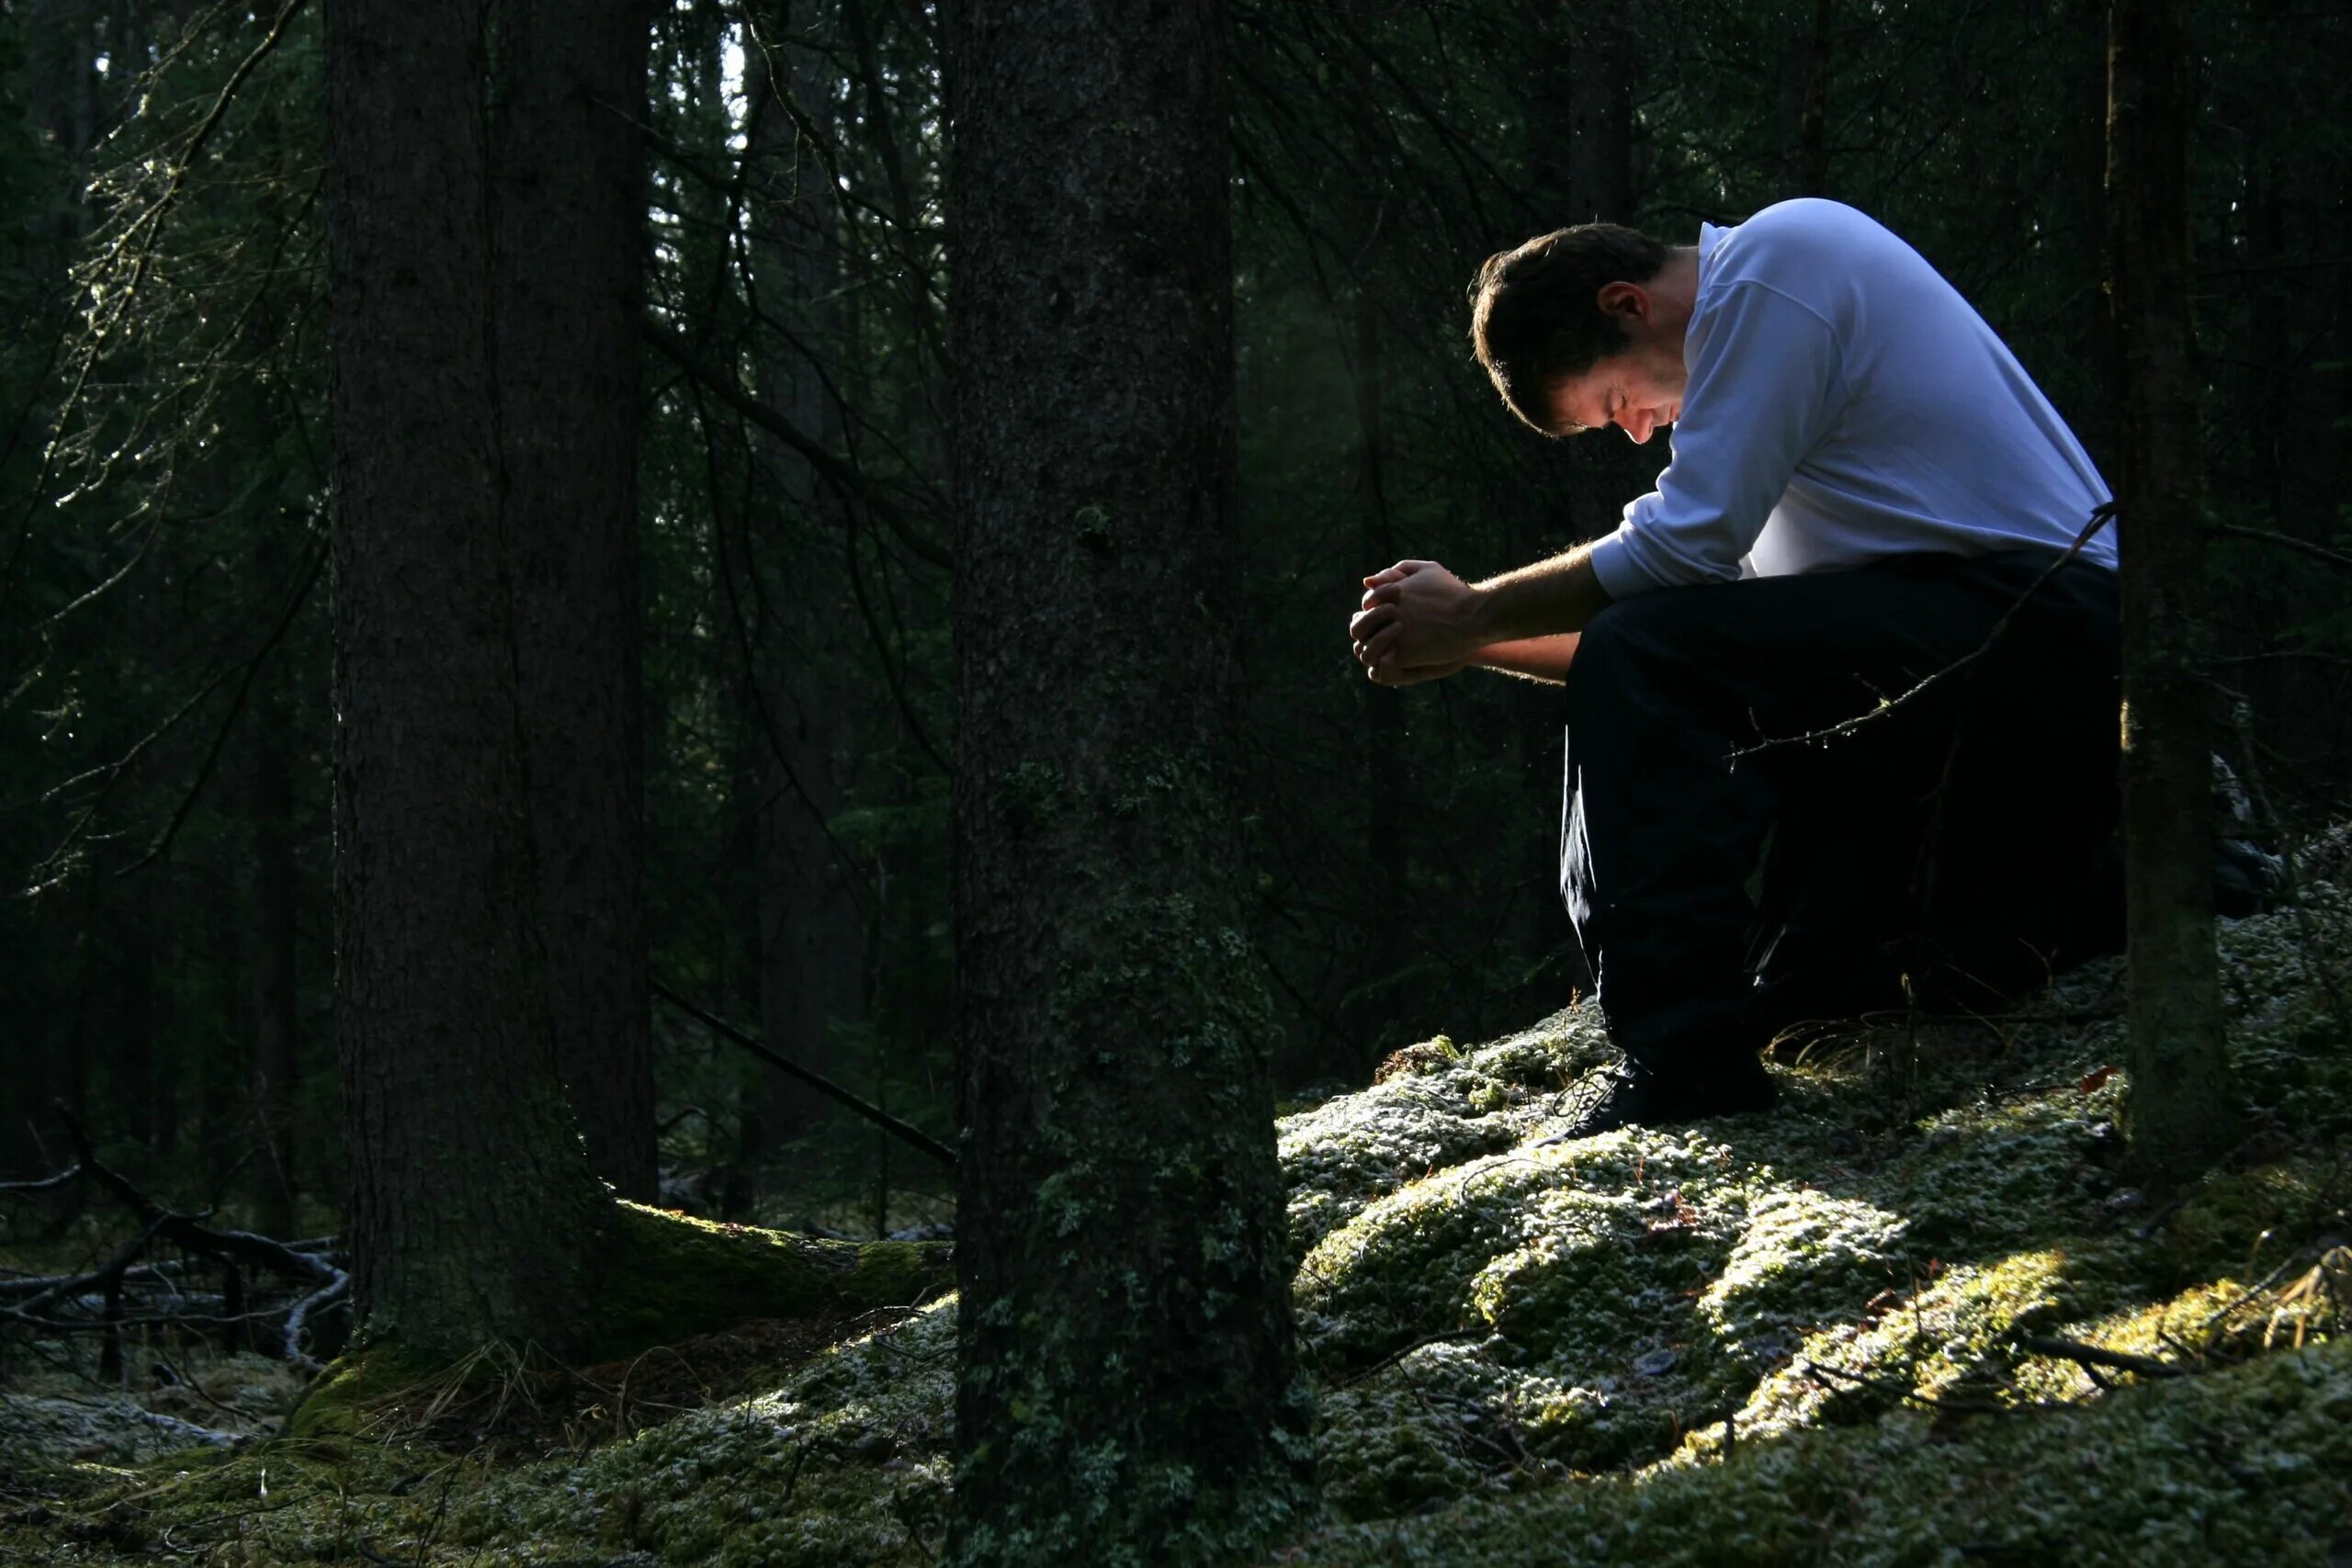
{"x": 1602, "y": 1100}
{"x": 1622, "y": 1094}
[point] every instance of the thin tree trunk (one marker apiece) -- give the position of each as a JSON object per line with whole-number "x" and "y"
{"x": 271, "y": 970}
{"x": 812, "y": 934}
{"x": 473, "y": 1215}
{"x": 1804, "y": 105}
{"x": 567, "y": 204}
{"x": 1381, "y": 711}
{"x": 2184, "y": 1110}
{"x": 1128, "y": 1390}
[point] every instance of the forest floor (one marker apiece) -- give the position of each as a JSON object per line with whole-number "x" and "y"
{"x": 1917, "y": 1315}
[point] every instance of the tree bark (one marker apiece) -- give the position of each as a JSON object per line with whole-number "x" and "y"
{"x": 473, "y": 1213}
{"x": 1804, "y": 105}
{"x": 567, "y": 204}
{"x": 812, "y": 933}
{"x": 1383, "y": 776}
{"x": 271, "y": 972}
{"x": 1128, "y": 1390}
{"x": 2184, "y": 1111}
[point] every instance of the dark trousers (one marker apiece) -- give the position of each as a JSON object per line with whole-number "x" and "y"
{"x": 1723, "y": 886}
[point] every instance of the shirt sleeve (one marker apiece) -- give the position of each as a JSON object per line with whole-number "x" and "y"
{"x": 1765, "y": 386}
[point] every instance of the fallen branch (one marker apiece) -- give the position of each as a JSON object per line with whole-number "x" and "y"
{"x": 231, "y": 1248}
{"x": 45, "y": 1286}
{"x": 106, "y": 1277}
{"x": 873, "y": 1113}
{"x": 2090, "y": 1356}
{"x": 1833, "y": 1376}
{"x": 65, "y": 1177}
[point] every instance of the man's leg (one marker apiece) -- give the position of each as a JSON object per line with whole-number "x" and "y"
{"x": 1670, "y": 804}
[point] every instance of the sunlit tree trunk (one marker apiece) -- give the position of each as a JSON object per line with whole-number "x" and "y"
{"x": 1127, "y": 1391}
{"x": 2184, "y": 1109}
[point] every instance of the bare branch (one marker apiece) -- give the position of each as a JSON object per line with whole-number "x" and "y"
{"x": 873, "y": 1113}
{"x": 2288, "y": 541}
{"x": 2095, "y": 1356}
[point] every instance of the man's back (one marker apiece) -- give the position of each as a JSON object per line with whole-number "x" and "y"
{"x": 1846, "y": 405}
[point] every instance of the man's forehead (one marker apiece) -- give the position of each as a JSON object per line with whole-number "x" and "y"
{"x": 1569, "y": 394}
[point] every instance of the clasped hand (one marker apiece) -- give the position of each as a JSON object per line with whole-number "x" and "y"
{"x": 1419, "y": 622}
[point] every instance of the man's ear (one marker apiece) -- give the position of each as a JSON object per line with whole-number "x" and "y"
{"x": 1628, "y": 300}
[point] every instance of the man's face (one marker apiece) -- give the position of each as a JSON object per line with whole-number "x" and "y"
{"x": 1638, "y": 391}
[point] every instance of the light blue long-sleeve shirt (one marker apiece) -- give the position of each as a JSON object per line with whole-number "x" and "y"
{"x": 1845, "y": 405}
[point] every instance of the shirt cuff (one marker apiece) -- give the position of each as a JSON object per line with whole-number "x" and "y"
{"x": 1614, "y": 568}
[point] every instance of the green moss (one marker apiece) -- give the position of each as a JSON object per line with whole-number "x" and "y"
{"x": 1803, "y": 1259}
{"x": 1981, "y": 1180}
{"x": 2236, "y": 1217}
{"x": 679, "y": 1276}
{"x": 1435, "y": 1106}
{"x": 2250, "y": 1465}
{"x": 1793, "y": 1339}
{"x": 335, "y": 1408}
{"x": 846, "y": 1463}
{"x": 896, "y": 1273}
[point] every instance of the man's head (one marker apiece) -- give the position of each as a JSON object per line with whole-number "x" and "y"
{"x": 1575, "y": 330}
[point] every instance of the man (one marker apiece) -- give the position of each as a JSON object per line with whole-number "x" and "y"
{"x": 1839, "y": 687}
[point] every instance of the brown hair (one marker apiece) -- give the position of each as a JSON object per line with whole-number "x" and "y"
{"x": 1534, "y": 319}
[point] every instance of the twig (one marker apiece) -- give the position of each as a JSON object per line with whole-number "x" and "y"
{"x": 2103, "y": 514}
{"x": 1397, "y": 1355}
{"x": 853, "y": 486}
{"x": 254, "y": 667}
{"x": 43, "y": 1285}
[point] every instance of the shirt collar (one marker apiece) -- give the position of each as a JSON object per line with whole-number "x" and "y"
{"x": 1709, "y": 238}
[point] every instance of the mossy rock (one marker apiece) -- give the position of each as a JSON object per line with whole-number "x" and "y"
{"x": 1803, "y": 1337}
{"x": 1434, "y": 1105}
{"x": 679, "y": 1276}
{"x": 2249, "y": 1465}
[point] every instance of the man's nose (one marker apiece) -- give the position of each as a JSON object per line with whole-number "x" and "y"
{"x": 1638, "y": 424}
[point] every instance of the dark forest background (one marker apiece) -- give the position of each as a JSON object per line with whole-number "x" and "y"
{"x": 164, "y": 796}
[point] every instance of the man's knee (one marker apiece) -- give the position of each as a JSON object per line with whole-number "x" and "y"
{"x": 1626, "y": 637}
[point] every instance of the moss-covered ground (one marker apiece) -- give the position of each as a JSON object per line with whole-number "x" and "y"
{"x": 1915, "y": 1316}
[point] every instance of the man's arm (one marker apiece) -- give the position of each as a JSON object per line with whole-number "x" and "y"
{"x": 1536, "y": 658}
{"x": 1419, "y": 616}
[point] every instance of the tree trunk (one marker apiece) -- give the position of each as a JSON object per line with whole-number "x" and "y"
{"x": 1383, "y": 776}
{"x": 270, "y": 970}
{"x": 568, "y": 205}
{"x": 2184, "y": 1109}
{"x": 1804, "y": 105}
{"x": 473, "y": 1215}
{"x": 1128, "y": 1390}
{"x": 812, "y": 933}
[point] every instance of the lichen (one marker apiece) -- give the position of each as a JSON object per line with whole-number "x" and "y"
{"x": 2246, "y": 1464}
{"x": 846, "y": 1463}
{"x": 1866, "y": 1328}
{"x": 1435, "y": 1105}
